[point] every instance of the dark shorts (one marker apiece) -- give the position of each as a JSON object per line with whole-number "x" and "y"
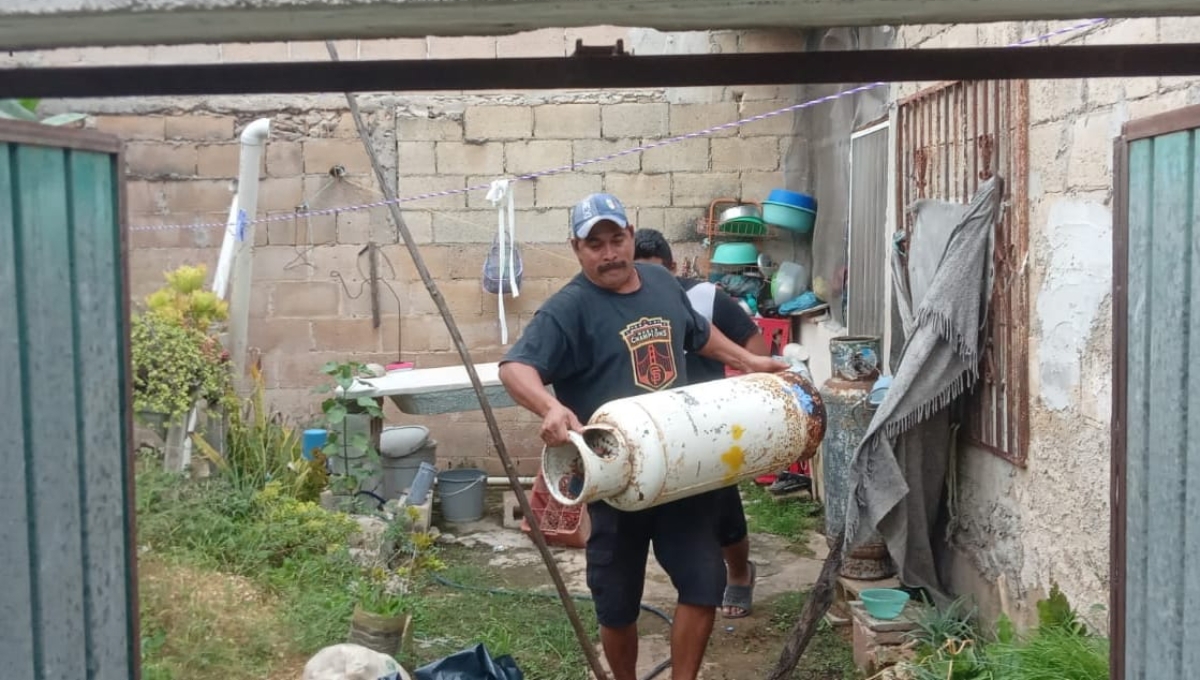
{"x": 684, "y": 534}
{"x": 731, "y": 527}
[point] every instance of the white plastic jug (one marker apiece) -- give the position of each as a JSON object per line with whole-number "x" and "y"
{"x": 651, "y": 449}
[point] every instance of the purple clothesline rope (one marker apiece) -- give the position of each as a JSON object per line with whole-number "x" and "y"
{"x": 599, "y": 159}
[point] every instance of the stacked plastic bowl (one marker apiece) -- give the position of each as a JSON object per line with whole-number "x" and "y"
{"x": 790, "y": 210}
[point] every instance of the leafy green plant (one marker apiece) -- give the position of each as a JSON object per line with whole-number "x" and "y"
{"x": 340, "y": 444}
{"x": 174, "y": 365}
{"x": 390, "y": 583}
{"x": 177, "y": 358}
{"x": 26, "y": 109}
{"x": 261, "y": 446}
{"x": 185, "y": 302}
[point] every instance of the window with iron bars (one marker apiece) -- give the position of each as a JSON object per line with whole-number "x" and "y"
{"x": 950, "y": 139}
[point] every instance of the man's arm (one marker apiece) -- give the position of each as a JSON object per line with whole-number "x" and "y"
{"x": 721, "y": 348}
{"x": 525, "y": 386}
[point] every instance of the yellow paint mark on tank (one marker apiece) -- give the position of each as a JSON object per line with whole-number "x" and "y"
{"x": 738, "y": 431}
{"x": 733, "y": 459}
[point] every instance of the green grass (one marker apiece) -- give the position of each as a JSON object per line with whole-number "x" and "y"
{"x": 791, "y": 518}
{"x": 533, "y": 629}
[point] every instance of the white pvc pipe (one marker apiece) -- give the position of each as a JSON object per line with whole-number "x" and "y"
{"x": 254, "y": 138}
{"x": 225, "y": 260}
{"x": 503, "y": 481}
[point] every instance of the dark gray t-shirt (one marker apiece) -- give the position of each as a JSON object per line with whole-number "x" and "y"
{"x": 593, "y": 345}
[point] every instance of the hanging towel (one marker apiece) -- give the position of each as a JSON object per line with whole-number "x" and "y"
{"x": 504, "y": 260}
{"x": 899, "y": 469}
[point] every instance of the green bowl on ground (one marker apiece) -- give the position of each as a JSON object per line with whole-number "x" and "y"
{"x": 884, "y": 604}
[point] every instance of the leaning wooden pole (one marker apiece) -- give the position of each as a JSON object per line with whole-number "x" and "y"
{"x": 514, "y": 481}
{"x": 815, "y": 605}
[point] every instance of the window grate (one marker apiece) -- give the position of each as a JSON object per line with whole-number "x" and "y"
{"x": 951, "y": 138}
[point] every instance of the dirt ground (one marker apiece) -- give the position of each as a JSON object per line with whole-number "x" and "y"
{"x": 739, "y": 649}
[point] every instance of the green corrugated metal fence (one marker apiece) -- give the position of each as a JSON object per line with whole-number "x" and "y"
{"x": 67, "y": 601}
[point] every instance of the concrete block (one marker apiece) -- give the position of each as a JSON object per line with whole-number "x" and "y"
{"x": 639, "y": 190}
{"x": 284, "y": 159}
{"x": 195, "y": 53}
{"x": 312, "y": 230}
{"x": 218, "y": 160}
{"x": 150, "y": 159}
{"x": 322, "y": 154}
{"x": 132, "y": 127}
{"x": 279, "y": 193}
{"x": 512, "y": 511}
{"x": 772, "y": 40}
{"x": 345, "y": 335}
{"x": 464, "y": 226}
{"x": 699, "y": 189}
{"x": 254, "y": 52}
{"x": 522, "y": 195}
{"x": 566, "y": 121}
{"x": 488, "y": 123}
{"x": 423, "y": 512}
{"x": 545, "y": 42}
{"x": 756, "y": 185}
{"x": 1089, "y": 157}
{"x": 464, "y": 47}
{"x": 427, "y": 129}
{"x": 394, "y": 48}
{"x": 200, "y": 127}
{"x": 776, "y": 126}
{"x": 315, "y": 50}
{"x": 690, "y": 155}
{"x": 305, "y": 300}
{"x": 589, "y": 149}
{"x": 432, "y": 184}
{"x": 281, "y": 335}
{"x": 470, "y": 158}
{"x": 198, "y": 195}
{"x": 1056, "y": 99}
{"x": 878, "y": 644}
{"x": 745, "y": 153}
{"x": 536, "y": 155}
{"x": 565, "y": 190}
{"x": 416, "y": 158}
{"x": 1047, "y": 158}
{"x": 686, "y": 118}
{"x": 635, "y": 120}
{"x": 545, "y": 225}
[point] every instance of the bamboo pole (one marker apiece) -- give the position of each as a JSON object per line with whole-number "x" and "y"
{"x": 585, "y": 644}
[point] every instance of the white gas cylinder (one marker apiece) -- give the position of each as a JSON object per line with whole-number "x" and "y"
{"x": 642, "y": 451}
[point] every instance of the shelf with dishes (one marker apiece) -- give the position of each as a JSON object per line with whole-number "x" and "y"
{"x": 733, "y": 233}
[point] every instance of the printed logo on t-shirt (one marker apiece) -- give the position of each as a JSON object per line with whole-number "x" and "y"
{"x": 651, "y": 351}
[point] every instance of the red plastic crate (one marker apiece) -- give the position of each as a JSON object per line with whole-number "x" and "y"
{"x": 564, "y": 526}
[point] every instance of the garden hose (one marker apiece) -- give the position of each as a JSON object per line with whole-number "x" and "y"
{"x": 654, "y": 672}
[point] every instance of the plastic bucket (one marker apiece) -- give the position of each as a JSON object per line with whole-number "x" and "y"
{"x": 461, "y": 491}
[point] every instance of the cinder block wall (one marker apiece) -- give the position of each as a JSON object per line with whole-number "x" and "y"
{"x": 310, "y": 304}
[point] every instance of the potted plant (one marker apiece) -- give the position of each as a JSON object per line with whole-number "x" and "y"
{"x": 348, "y": 447}
{"x": 389, "y": 587}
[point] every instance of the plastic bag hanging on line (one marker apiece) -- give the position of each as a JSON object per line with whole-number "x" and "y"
{"x": 503, "y": 269}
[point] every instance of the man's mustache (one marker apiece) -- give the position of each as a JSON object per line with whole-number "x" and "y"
{"x": 605, "y": 268}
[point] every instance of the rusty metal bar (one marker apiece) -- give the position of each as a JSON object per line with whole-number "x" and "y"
{"x": 956, "y": 136}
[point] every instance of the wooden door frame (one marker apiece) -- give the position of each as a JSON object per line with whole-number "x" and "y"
{"x": 1178, "y": 120}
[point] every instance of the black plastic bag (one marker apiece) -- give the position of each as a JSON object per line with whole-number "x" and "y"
{"x": 475, "y": 663}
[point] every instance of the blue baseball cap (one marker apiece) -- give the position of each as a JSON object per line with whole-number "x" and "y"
{"x": 595, "y": 209}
